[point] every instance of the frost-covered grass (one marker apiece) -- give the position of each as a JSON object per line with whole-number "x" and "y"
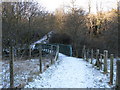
{"x": 67, "y": 72}
{"x": 24, "y": 71}
{"x": 70, "y": 72}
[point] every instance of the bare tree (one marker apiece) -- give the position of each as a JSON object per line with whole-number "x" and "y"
{"x": 89, "y": 6}
{"x": 75, "y": 25}
{"x": 59, "y": 17}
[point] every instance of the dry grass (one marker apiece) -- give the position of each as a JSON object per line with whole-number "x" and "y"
{"x": 24, "y": 70}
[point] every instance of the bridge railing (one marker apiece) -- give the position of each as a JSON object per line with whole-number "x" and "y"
{"x": 65, "y": 49}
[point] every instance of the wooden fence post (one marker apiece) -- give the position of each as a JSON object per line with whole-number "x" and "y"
{"x": 97, "y": 59}
{"x": 18, "y": 51}
{"x": 83, "y": 53}
{"x": 51, "y": 54}
{"x": 101, "y": 55}
{"x": 11, "y": 67}
{"x": 91, "y": 56}
{"x": 111, "y": 68}
{"x": 40, "y": 58}
{"x": 87, "y": 55}
{"x": 47, "y": 48}
{"x": 118, "y": 75}
{"x": 97, "y": 56}
{"x": 30, "y": 51}
{"x": 105, "y": 60}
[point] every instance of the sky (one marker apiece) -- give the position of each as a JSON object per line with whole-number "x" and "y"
{"x": 52, "y": 5}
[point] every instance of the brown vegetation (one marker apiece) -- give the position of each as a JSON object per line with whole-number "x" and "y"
{"x": 24, "y": 23}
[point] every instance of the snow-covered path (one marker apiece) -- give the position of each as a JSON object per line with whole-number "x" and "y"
{"x": 70, "y": 72}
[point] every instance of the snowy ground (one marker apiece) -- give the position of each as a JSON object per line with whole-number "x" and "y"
{"x": 24, "y": 71}
{"x": 70, "y": 72}
{"x": 67, "y": 72}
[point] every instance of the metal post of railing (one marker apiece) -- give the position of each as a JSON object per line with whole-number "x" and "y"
{"x": 70, "y": 50}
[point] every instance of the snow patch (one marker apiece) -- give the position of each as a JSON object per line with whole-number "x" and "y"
{"x": 42, "y": 40}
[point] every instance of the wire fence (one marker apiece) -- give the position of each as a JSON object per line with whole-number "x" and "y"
{"x": 22, "y": 64}
{"x": 25, "y": 63}
{"x": 103, "y": 61}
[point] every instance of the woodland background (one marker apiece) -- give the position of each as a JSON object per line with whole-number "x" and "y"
{"x": 27, "y": 22}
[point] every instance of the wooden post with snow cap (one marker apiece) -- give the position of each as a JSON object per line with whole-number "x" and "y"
{"x": 111, "y": 68}
{"x": 91, "y": 56}
{"x": 105, "y": 60}
{"x": 118, "y": 75}
{"x": 40, "y": 58}
{"x": 11, "y": 67}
